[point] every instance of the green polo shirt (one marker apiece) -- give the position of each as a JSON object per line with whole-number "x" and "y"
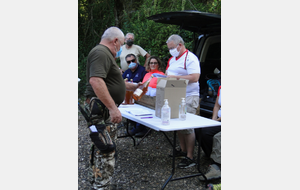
{"x": 101, "y": 63}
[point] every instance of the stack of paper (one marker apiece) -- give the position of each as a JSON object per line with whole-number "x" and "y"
{"x": 139, "y": 112}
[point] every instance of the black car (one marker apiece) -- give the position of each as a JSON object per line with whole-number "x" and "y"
{"x": 207, "y": 46}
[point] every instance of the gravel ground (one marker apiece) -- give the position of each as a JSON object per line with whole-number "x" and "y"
{"x": 145, "y": 166}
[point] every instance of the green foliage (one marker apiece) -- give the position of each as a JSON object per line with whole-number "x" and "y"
{"x": 149, "y": 35}
{"x": 95, "y": 16}
{"x": 82, "y": 75}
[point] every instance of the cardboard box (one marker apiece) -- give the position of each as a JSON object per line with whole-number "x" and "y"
{"x": 147, "y": 101}
{"x": 171, "y": 89}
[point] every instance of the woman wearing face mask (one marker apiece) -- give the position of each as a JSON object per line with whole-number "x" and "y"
{"x": 153, "y": 66}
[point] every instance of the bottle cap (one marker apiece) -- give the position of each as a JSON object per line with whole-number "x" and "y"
{"x": 166, "y": 101}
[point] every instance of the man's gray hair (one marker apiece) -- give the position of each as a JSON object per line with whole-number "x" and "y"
{"x": 176, "y": 39}
{"x": 112, "y": 32}
{"x": 129, "y": 34}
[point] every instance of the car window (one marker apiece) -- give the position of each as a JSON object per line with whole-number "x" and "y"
{"x": 214, "y": 52}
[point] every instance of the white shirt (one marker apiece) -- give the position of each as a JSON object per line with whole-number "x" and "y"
{"x": 176, "y": 67}
{"x": 151, "y": 91}
{"x": 136, "y": 50}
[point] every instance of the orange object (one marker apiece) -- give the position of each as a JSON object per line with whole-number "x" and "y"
{"x": 141, "y": 90}
{"x": 153, "y": 82}
{"x": 128, "y": 95}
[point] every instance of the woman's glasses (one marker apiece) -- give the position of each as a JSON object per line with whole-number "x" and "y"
{"x": 154, "y": 63}
{"x": 130, "y": 61}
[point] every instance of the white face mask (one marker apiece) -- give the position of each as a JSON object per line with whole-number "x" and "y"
{"x": 174, "y": 52}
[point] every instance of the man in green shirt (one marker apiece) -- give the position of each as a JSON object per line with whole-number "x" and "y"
{"x": 104, "y": 78}
{"x": 105, "y": 83}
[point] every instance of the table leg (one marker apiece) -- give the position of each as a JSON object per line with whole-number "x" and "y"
{"x": 173, "y": 161}
{"x": 173, "y": 164}
{"x": 167, "y": 138}
{"x": 128, "y": 135}
{"x": 198, "y": 158}
{"x": 127, "y": 129}
{"x": 144, "y": 137}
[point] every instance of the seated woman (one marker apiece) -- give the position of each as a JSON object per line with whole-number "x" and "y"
{"x": 154, "y": 65}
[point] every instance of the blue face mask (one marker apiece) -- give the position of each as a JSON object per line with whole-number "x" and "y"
{"x": 132, "y": 65}
{"x": 119, "y": 52}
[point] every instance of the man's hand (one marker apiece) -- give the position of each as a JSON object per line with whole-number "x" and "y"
{"x": 132, "y": 86}
{"x": 139, "y": 84}
{"x": 115, "y": 115}
{"x": 102, "y": 93}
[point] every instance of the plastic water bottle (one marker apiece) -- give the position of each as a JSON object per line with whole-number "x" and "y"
{"x": 182, "y": 110}
{"x": 166, "y": 113}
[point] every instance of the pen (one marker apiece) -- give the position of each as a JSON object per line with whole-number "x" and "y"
{"x": 146, "y": 117}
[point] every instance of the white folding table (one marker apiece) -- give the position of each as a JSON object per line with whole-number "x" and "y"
{"x": 192, "y": 121}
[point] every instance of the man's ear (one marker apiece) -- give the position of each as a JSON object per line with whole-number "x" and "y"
{"x": 115, "y": 41}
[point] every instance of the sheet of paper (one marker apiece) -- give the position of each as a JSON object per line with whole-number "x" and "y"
{"x": 93, "y": 128}
{"x": 139, "y": 112}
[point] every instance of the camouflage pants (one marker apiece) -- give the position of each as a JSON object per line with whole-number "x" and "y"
{"x": 102, "y": 170}
{"x": 100, "y": 174}
{"x": 103, "y": 167}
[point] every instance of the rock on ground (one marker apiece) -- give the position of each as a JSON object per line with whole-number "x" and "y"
{"x": 146, "y": 166}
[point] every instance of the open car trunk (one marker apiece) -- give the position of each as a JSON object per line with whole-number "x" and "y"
{"x": 207, "y": 47}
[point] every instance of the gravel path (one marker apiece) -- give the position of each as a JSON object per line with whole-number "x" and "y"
{"x": 145, "y": 166}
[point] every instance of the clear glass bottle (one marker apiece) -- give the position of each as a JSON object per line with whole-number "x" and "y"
{"x": 165, "y": 113}
{"x": 141, "y": 90}
{"x": 182, "y": 110}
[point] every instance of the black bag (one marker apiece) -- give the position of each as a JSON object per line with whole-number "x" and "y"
{"x": 102, "y": 140}
{"x": 98, "y": 108}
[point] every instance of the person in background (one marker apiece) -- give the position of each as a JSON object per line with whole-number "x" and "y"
{"x": 211, "y": 142}
{"x": 106, "y": 85}
{"x": 185, "y": 65}
{"x": 154, "y": 65}
{"x": 135, "y": 71}
{"x": 130, "y": 48}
